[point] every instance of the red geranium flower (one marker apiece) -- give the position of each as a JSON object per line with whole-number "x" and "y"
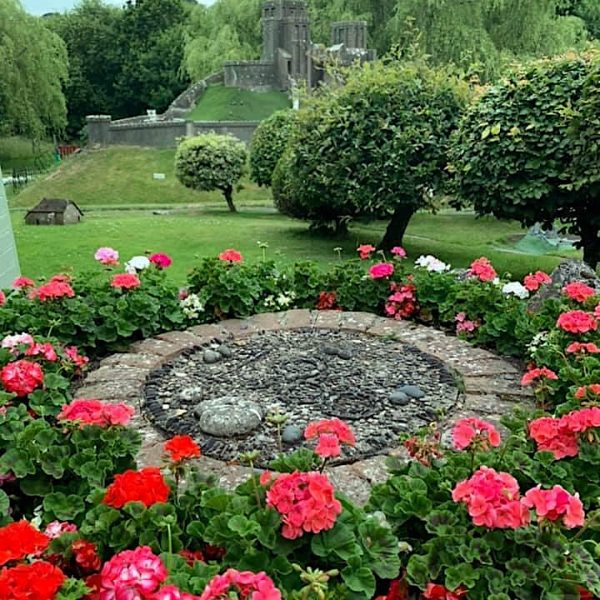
{"x": 146, "y": 486}
{"x": 577, "y": 347}
{"x": 182, "y": 447}
{"x": 2, "y": 298}
{"x": 86, "y": 555}
{"x": 162, "y": 261}
{"x": 231, "y": 256}
{"x": 482, "y": 269}
{"x": 473, "y": 430}
{"x": 21, "y": 539}
{"x": 125, "y": 281}
{"x": 326, "y": 301}
{"x": 436, "y": 591}
{"x": 192, "y": 556}
{"x": 21, "y": 377}
{"x": 39, "y": 580}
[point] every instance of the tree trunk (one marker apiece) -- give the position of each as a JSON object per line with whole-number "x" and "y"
{"x": 228, "y": 193}
{"x": 591, "y": 245}
{"x": 396, "y": 228}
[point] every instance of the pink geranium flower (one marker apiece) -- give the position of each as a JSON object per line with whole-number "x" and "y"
{"x": 231, "y": 255}
{"x": 577, "y": 321}
{"x": 250, "y": 586}
{"x": 398, "y": 252}
{"x": 328, "y": 446}
{"x": 365, "y": 251}
{"x": 125, "y": 281}
{"x": 132, "y": 574}
{"x": 306, "y": 503}
{"x": 492, "y": 499}
{"x": 95, "y": 412}
{"x": 538, "y": 374}
{"x": 21, "y": 283}
{"x": 556, "y": 504}
{"x": 582, "y": 348}
{"x": 473, "y": 431}
{"x": 57, "y": 528}
{"x": 587, "y": 390}
{"x": 21, "y": 377}
{"x": 2, "y": 298}
{"x": 482, "y": 269}
{"x": 381, "y": 271}
{"x": 162, "y": 261}
{"x": 464, "y": 325}
{"x": 534, "y": 281}
{"x": 107, "y": 256}
{"x": 578, "y": 291}
{"x": 555, "y": 436}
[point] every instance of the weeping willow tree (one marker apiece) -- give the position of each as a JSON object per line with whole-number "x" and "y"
{"x": 33, "y": 67}
{"x": 482, "y": 34}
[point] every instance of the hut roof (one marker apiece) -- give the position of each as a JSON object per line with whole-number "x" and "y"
{"x": 53, "y": 205}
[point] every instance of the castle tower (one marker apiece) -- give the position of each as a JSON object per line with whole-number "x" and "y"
{"x": 353, "y": 34}
{"x": 286, "y": 37}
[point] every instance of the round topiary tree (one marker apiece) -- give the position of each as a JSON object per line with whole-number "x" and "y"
{"x": 529, "y": 150}
{"x": 269, "y": 143}
{"x": 375, "y": 147}
{"x": 211, "y": 162}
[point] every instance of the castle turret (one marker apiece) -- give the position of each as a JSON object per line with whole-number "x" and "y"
{"x": 352, "y": 34}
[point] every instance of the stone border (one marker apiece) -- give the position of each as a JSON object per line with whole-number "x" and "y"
{"x": 491, "y": 385}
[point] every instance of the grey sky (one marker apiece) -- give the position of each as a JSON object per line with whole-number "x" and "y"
{"x": 40, "y": 7}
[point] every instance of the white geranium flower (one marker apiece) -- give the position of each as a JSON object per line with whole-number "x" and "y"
{"x": 517, "y": 289}
{"x": 192, "y": 306}
{"x": 432, "y": 264}
{"x": 12, "y": 341}
{"x": 137, "y": 263}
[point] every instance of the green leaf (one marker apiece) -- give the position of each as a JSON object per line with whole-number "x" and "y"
{"x": 463, "y": 574}
{"x": 339, "y": 541}
{"x": 63, "y": 507}
{"x": 360, "y": 580}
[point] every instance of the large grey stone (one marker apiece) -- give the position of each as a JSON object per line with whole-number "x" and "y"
{"x": 228, "y": 416}
{"x": 411, "y": 390}
{"x": 567, "y": 272}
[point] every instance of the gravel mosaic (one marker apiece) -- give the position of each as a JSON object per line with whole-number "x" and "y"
{"x": 224, "y": 395}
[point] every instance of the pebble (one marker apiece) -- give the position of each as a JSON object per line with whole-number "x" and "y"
{"x": 412, "y": 390}
{"x": 225, "y": 351}
{"x": 331, "y": 350}
{"x": 190, "y": 394}
{"x": 291, "y": 434}
{"x": 344, "y": 353}
{"x": 399, "y": 398}
{"x": 210, "y": 357}
{"x": 228, "y": 416}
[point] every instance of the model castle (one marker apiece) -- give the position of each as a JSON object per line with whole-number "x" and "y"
{"x": 289, "y": 56}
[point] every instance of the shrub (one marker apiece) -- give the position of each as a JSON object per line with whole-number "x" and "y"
{"x": 269, "y": 143}
{"x": 525, "y": 150}
{"x": 374, "y": 147}
{"x": 211, "y": 162}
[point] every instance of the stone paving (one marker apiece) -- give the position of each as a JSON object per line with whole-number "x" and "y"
{"x": 491, "y": 385}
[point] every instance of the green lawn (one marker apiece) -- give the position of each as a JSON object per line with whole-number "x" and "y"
{"x": 220, "y": 103}
{"x": 198, "y": 223}
{"x": 123, "y": 176}
{"x": 188, "y": 234}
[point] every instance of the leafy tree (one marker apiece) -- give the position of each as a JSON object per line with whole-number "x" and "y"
{"x": 152, "y": 32}
{"x": 376, "y": 146}
{"x": 482, "y": 35}
{"x": 528, "y": 149}
{"x": 269, "y": 143}
{"x": 33, "y": 68}
{"x": 95, "y": 61}
{"x": 211, "y": 162}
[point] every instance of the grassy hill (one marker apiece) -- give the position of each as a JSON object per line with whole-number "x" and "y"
{"x": 123, "y": 176}
{"x": 220, "y": 103}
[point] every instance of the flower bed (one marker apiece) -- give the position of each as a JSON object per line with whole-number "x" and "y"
{"x": 497, "y": 515}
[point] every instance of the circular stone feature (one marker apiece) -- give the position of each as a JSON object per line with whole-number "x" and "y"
{"x": 228, "y": 416}
{"x": 296, "y": 374}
